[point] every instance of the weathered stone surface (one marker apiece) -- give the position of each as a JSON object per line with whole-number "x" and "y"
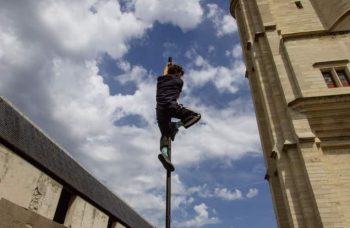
{"x": 25, "y": 185}
{"x": 14, "y": 216}
{"x": 301, "y": 121}
{"x": 82, "y": 215}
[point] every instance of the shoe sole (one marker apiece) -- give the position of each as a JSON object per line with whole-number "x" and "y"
{"x": 168, "y": 166}
{"x": 193, "y": 121}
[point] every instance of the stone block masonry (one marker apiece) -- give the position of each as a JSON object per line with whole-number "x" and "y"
{"x": 288, "y": 47}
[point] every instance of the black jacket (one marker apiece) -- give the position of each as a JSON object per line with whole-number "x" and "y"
{"x": 169, "y": 88}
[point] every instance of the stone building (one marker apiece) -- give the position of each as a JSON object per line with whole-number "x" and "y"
{"x": 297, "y": 57}
{"x": 41, "y": 186}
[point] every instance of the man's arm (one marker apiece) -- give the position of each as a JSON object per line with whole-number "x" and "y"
{"x": 166, "y": 68}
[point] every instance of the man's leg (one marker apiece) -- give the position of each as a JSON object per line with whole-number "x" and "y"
{"x": 164, "y": 156}
{"x": 164, "y": 119}
{"x": 164, "y": 145}
{"x": 187, "y": 116}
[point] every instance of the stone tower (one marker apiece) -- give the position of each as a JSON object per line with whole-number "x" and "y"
{"x": 297, "y": 58}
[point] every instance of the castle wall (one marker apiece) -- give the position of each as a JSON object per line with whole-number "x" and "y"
{"x": 304, "y": 54}
{"x": 337, "y": 165}
{"x": 303, "y": 124}
{"x": 290, "y": 19}
{"x": 326, "y": 202}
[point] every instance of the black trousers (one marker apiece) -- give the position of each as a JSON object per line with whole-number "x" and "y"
{"x": 165, "y": 113}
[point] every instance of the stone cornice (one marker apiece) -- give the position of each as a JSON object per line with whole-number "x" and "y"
{"x": 306, "y": 102}
{"x": 310, "y": 34}
{"x": 334, "y": 62}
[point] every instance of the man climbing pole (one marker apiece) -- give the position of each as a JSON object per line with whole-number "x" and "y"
{"x": 169, "y": 87}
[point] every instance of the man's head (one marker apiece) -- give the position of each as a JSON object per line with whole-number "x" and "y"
{"x": 176, "y": 70}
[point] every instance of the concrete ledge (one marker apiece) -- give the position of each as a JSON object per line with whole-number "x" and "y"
{"x": 14, "y": 216}
{"x": 308, "y": 102}
{"x": 29, "y": 142}
{"x": 310, "y": 34}
{"x": 331, "y": 63}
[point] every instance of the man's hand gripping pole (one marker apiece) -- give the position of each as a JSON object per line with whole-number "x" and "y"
{"x": 166, "y": 69}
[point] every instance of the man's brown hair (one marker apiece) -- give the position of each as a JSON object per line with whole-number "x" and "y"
{"x": 174, "y": 69}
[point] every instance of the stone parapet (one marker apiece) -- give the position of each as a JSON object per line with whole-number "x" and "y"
{"x": 44, "y": 158}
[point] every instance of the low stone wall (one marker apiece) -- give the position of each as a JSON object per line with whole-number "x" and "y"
{"x": 37, "y": 175}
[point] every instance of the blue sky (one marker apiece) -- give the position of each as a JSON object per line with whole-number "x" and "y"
{"x": 85, "y": 72}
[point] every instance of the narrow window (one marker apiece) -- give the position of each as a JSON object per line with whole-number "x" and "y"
{"x": 299, "y": 4}
{"x": 343, "y": 77}
{"x": 62, "y": 206}
{"x": 327, "y": 75}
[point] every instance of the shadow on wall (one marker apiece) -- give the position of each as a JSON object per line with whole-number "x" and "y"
{"x": 337, "y": 19}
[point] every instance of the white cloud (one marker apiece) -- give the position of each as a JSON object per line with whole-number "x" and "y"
{"x": 48, "y": 70}
{"x": 236, "y": 52}
{"x": 202, "y": 218}
{"x": 48, "y": 65}
{"x": 78, "y": 31}
{"x": 186, "y": 14}
{"x": 226, "y": 194}
{"x": 203, "y": 191}
{"x": 132, "y": 73}
{"x": 226, "y": 79}
{"x": 252, "y": 192}
{"x": 223, "y": 22}
{"x": 228, "y": 134}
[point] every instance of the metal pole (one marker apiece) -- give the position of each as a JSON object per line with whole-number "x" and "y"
{"x": 168, "y": 179}
{"x": 168, "y": 192}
